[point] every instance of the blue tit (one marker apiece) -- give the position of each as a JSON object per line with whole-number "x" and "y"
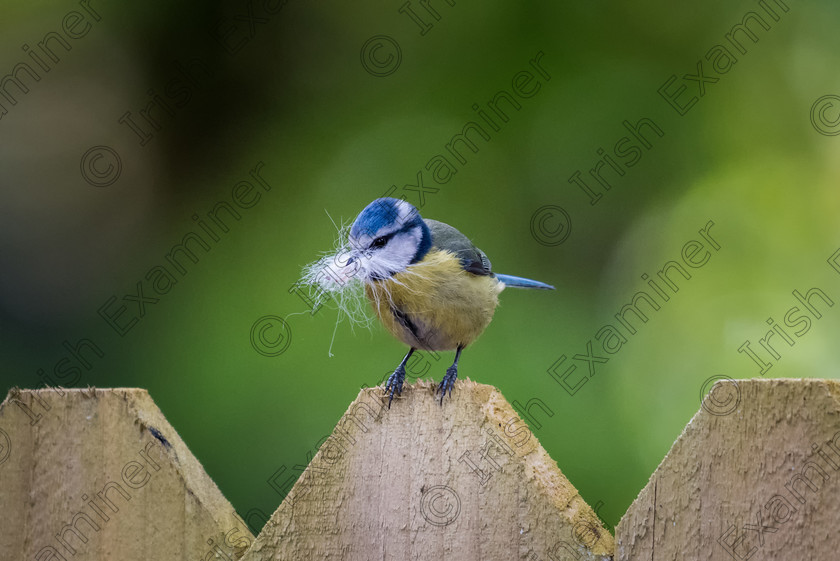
{"x": 428, "y": 284}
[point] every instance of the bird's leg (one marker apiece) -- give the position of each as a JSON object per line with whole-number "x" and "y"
{"x": 395, "y": 380}
{"x": 451, "y": 375}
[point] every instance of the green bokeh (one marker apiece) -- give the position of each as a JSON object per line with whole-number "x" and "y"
{"x": 332, "y": 137}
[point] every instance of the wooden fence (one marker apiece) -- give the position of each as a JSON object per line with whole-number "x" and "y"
{"x": 100, "y": 474}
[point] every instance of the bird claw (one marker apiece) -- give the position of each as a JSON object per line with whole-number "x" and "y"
{"x": 448, "y": 382}
{"x": 395, "y": 383}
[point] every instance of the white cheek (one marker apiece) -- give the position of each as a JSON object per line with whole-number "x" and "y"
{"x": 404, "y": 248}
{"x": 394, "y": 257}
{"x": 384, "y": 264}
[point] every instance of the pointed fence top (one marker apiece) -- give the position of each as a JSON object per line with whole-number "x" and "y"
{"x": 99, "y": 474}
{"x": 466, "y": 481}
{"x": 756, "y": 472}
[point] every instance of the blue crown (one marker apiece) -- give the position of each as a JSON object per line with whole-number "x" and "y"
{"x": 388, "y": 211}
{"x": 381, "y": 213}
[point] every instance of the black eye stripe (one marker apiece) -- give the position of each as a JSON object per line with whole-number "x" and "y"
{"x": 387, "y": 237}
{"x": 381, "y": 241}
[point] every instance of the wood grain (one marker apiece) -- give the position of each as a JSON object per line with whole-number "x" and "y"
{"x": 465, "y": 481}
{"x": 99, "y": 475}
{"x": 753, "y": 475}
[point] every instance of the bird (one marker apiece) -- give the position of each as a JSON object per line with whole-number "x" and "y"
{"x": 428, "y": 284}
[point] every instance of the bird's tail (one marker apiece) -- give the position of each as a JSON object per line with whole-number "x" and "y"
{"x": 519, "y": 282}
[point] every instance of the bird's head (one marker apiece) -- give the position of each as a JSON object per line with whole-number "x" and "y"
{"x": 387, "y": 237}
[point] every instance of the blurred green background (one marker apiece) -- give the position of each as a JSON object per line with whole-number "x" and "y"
{"x": 294, "y": 89}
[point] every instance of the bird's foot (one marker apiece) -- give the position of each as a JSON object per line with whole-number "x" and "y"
{"x": 395, "y": 383}
{"x": 448, "y": 382}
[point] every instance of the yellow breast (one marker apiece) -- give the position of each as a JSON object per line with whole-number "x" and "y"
{"x": 434, "y": 304}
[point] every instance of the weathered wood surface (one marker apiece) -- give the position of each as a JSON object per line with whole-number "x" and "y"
{"x": 100, "y": 475}
{"x": 754, "y": 475}
{"x": 466, "y": 481}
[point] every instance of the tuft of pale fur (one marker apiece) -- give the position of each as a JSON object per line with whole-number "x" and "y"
{"x": 332, "y": 281}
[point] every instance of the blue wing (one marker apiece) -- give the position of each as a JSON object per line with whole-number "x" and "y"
{"x": 520, "y": 282}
